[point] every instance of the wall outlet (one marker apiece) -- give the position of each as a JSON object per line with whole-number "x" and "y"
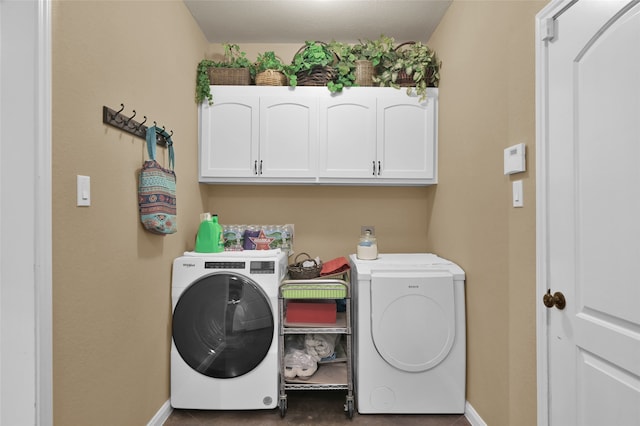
{"x": 365, "y": 228}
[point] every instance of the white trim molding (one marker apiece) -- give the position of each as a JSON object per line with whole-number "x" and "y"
{"x": 472, "y": 415}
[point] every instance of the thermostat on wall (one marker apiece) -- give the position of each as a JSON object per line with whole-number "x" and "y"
{"x": 514, "y": 159}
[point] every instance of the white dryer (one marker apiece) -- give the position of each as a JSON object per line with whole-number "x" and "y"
{"x": 409, "y": 326}
{"x": 224, "y": 352}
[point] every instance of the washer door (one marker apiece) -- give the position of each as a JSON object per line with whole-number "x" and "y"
{"x": 412, "y": 318}
{"x": 223, "y": 325}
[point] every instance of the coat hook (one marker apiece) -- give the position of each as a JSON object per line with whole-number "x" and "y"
{"x": 118, "y": 113}
{"x": 171, "y": 134}
{"x": 140, "y": 125}
{"x": 129, "y": 119}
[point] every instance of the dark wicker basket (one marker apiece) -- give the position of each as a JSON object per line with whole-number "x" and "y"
{"x": 318, "y": 75}
{"x": 299, "y": 272}
{"x": 404, "y": 79}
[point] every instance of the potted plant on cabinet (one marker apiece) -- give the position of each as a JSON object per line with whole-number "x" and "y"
{"x": 235, "y": 69}
{"x": 412, "y": 65}
{"x": 269, "y": 70}
{"x": 312, "y": 65}
{"x": 369, "y": 55}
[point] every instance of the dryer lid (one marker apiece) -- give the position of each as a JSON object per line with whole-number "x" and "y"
{"x": 405, "y": 262}
{"x": 413, "y": 318}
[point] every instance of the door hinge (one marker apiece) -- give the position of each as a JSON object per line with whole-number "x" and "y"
{"x": 548, "y": 29}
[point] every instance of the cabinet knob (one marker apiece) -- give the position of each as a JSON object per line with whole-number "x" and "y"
{"x": 374, "y": 168}
{"x": 255, "y": 167}
{"x": 260, "y": 166}
{"x": 379, "y": 168}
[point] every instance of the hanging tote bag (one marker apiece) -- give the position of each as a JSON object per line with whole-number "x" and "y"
{"x": 157, "y": 190}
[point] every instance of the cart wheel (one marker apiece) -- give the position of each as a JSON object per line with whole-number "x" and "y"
{"x": 283, "y": 406}
{"x": 350, "y": 409}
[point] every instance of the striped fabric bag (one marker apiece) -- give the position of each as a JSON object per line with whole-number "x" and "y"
{"x": 157, "y": 189}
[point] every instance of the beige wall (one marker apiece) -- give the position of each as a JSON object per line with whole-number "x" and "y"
{"x": 111, "y": 279}
{"x": 487, "y": 103}
{"x": 112, "y": 301}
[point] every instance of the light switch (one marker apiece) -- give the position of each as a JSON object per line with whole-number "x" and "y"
{"x": 517, "y": 194}
{"x": 514, "y": 159}
{"x": 84, "y": 190}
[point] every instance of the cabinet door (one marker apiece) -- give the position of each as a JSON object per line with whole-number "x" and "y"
{"x": 347, "y": 136}
{"x": 288, "y": 137}
{"x": 407, "y": 135}
{"x": 229, "y": 136}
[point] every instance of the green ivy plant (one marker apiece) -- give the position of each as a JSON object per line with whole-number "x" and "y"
{"x": 418, "y": 61}
{"x": 268, "y": 61}
{"x": 345, "y": 65}
{"x": 377, "y": 51}
{"x": 233, "y": 58}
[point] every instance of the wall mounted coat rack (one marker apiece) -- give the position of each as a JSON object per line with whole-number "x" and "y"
{"x": 128, "y": 124}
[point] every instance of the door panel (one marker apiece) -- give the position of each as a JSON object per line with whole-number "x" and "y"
{"x": 591, "y": 236}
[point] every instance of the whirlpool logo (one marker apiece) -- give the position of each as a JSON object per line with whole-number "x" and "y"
{"x": 188, "y": 265}
{"x": 413, "y": 286}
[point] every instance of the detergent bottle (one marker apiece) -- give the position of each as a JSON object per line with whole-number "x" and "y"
{"x": 206, "y": 241}
{"x": 218, "y": 235}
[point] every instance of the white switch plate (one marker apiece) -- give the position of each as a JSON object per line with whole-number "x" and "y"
{"x": 517, "y": 194}
{"x": 84, "y": 190}
{"x": 514, "y": 159}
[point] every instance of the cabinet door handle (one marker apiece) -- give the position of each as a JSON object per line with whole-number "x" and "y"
{"x": 379, "y": 168}
{"x": 260, "y": 166}
{"x": 374, "y": 168}
{"x": 255, "y": 167}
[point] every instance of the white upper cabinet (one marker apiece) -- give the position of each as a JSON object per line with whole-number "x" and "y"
{"x": 279, "y": 135}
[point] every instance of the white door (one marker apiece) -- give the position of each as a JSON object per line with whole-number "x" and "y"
{"x": 589, "y": 212}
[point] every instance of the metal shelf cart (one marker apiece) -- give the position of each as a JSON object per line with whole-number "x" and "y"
{"x": 332, "y": 375}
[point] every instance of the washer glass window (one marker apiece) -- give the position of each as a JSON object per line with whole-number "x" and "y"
{"x": 223, "y": 325}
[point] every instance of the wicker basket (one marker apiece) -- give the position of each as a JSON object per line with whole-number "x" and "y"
{"x": 404, "y": 79}
{"x": 229, "y": 76}
{"x": 317, "y": 76}
{"x": 364, "y": 73}
{"x": 271, "y": 78}
{"x": 299, "y": 272}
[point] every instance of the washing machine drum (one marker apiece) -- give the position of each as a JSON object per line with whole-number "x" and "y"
{"x": 223, "y": 325}
{"x": 413, "y": 318}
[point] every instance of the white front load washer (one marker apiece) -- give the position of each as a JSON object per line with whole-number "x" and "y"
{"x": 409, "y": 326}
{"x": 224, "y": 351}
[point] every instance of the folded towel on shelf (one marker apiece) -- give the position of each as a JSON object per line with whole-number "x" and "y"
{"x": 320, "y": 346}
{"x": 334, "y": 266}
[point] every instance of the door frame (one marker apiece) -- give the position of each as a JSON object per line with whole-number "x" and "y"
{"x": 27, "y": 205}
{"x": 544, "y": 32}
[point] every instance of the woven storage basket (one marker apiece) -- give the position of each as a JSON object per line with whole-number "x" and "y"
{"x": 317, "y": 76}
{"x": 404, "y": 79}
{"x": 271, "y": 78}
{"x": 229, "y": 76}
{"x": 299, "y": 272}
{"x": 364, "y": 73}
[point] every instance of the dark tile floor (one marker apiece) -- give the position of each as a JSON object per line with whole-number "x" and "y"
{"x": 320, "y": 407}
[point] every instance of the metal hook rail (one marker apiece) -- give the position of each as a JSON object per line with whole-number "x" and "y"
{"x": 128, "y": 124}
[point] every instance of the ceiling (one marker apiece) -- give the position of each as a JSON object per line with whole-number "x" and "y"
{"x": 295, "y": 21}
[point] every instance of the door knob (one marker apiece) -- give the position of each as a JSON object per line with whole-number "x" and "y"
{"x": 556, "y": 299}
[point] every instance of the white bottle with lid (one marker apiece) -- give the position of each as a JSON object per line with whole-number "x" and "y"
{"x": 367, "y": 247}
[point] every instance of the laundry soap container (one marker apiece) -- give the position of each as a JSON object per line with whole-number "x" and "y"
{"x": 209, "y": 235}
{"x": 367, "y": 247}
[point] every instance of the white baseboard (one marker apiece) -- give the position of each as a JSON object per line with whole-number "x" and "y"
{"x": 472, "y": 415}
{"x": 162, "y": 415}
